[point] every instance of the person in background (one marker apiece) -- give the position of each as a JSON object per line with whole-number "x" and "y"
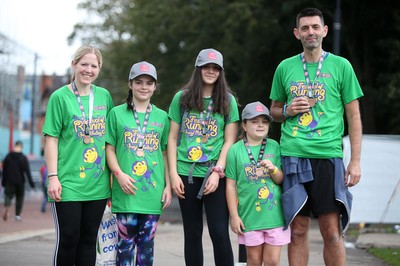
{"x": 137, "y": 156}
{"x": 204, "y": 117}
{"x": 253, "y": 189}
{"x": 78, "y": 177}
{"x": 15, "y": 170}
{"x": 43, "y": 174}
{"x": 310, "y": 94}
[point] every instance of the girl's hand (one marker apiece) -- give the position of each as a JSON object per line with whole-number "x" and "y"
{"x": 237, "y": 225}
{"x": 212, "y": 183}
{"x": 166, "y": 197}
{"x": 177, "y": 186}
{"x": 126, "y": 183}
{"x": 54, "y": 188}
{"x": 268, "y": 165}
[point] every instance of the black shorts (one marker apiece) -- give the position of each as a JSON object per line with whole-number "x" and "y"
{"x": 321, "y": 191}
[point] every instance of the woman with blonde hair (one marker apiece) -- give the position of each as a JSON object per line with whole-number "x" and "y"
{"x": 78, "y": 178}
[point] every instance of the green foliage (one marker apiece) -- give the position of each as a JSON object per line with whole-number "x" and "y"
{"x": 253, "y": 36}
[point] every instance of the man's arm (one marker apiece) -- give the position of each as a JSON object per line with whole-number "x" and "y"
{"x": 276, "y": 111}
{"x": 353, "y": 171}
{"x": 298, "y": 105}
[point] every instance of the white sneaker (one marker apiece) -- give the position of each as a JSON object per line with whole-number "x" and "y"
{"x": 18, "y": 218}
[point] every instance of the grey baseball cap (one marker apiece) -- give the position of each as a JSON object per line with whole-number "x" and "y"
{"x": 255, "y": 109}
{"x": 142, "y": 68}
{"x": 208, "y": 56}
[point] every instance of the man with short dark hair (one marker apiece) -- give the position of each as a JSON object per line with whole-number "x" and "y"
{"x": 15, "y": 170}
{"x": 310, "y": 94}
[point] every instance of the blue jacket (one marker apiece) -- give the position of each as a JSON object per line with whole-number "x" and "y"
{"x": 297, "y": 172}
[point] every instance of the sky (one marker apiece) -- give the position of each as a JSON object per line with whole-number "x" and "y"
{"x": 42, "y": 27}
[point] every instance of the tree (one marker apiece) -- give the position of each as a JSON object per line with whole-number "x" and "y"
{"x": 254, "y": 36}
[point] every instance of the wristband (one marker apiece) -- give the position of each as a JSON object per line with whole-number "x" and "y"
{"x": 51, "y": 174}
{"x": 275, "y": 171}
{"x": 218, "y": 169}
{"x": 284, "y": 109}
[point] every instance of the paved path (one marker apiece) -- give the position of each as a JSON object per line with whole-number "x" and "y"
{"x": 31, "y": 242}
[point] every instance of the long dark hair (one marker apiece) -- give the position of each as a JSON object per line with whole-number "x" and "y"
{"x": 192, "y": 95}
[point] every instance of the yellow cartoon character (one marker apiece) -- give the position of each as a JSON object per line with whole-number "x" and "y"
{"x": 141, "y": 169}
{"x": 308, "y": 120}
{"x": 267, "y": 195}
{"x": 91, "y": 156}
{"x": 195, "y": 153}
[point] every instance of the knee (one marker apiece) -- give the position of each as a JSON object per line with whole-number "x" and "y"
{"x": 298, "y": 231}
{"x": 332, "y": 237}
{"x": 271, "y": 261}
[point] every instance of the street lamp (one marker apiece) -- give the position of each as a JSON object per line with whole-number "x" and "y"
{"x": 336, "y": 29}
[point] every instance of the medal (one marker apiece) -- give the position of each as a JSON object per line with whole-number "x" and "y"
{"x": 141, "y": 130}
{"x": 87, "y": 139}
{"x": 256, "y": 164}
{"x": 259, "y": 172}
{"x": 140, "y": 153}
{"x": 312, "y": 99}
{"x": 205, "y": 121}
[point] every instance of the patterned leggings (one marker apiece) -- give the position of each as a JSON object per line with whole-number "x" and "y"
{"x": 136, "y": 230}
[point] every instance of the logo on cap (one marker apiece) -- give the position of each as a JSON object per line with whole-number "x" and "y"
{"x": 212, "y": 56}
{"x": 144, "y": 68}
{"x": 259, "y": 108}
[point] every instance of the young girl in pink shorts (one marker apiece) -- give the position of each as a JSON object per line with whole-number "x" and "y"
{"x": 253, "y": 189}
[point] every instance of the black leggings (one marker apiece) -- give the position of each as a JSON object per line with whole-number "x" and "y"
{"x": 217, "y": 219}
{"x": 77, "y": 224}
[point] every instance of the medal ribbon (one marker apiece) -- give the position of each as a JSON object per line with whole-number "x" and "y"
{"x": 141, "y": 130}
{"x": 260, "y": 155}
{"x": 204, "y": 121}
{"x": 91, "y": 102}
{"x": 310, "y": 85}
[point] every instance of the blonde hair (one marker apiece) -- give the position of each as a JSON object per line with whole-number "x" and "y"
{"x": 83, "y": 50}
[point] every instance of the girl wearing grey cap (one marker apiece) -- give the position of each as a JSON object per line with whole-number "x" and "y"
{"x": 253, "y": 189}
{"x": 204, "y": 117}
{"x": 136, "y": 154}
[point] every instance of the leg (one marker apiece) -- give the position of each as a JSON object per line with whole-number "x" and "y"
{"x": 145, "y": 243}
{"x": 218, "y": 225}
{"x": 67, "y": 220}
{"x": 271, "y": 255}
{"x": 327, "y": 209}
{"x": 128, "y": 228}
{"x": 298, "y": 247}
{"x": 44, "y": 200}
{"x": 192, "y": 218}
{"x": 9, "y": 192}
{"x": 19, "y": 199}
{"x": 92, "y": 212}
{"x": 254, "y": 255}
{"x": 334, "y": 250}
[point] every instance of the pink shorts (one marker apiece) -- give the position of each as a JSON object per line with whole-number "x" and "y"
{"x": 274, "y": 237}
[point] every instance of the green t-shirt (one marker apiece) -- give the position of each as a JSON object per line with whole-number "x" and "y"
{"x": 259, "y": 198}
{"x": 147, "y": 171}
{"x": 317, "y": 133}
{"x": 192, "y": 149}
{"x": 82, "y": 168}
